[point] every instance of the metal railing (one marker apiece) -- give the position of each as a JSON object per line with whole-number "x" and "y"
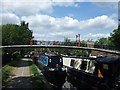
{"x": 63, "y": 47}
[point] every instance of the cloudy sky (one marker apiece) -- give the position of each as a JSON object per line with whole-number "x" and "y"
{"x": 51, "y": 20}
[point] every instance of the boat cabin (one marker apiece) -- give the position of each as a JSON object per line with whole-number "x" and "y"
{"x": 102, "y": 72}
{"x": 50, "y": 61}
{"x": 80, "y": 63}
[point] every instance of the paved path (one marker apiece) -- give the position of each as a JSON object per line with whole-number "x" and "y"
{"x": 21, "y": 78}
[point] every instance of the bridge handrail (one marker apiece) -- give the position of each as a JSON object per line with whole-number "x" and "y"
{"x": 61, "y": 46}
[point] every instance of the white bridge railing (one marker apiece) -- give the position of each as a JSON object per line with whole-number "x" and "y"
{"x": 60, "y": 46}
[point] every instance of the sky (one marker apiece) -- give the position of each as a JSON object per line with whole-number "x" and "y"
{"x": 58, "y": 19}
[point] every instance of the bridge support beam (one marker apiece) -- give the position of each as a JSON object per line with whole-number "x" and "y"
{"x": 98, "y": 53}
{"x": 89, "y": 53}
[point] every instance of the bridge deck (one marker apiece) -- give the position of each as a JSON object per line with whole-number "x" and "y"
{"x": 60, "y": 46}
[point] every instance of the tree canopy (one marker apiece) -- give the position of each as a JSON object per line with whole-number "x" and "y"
{"x": 115, "y": 38}
{"x": 67, "y": 42}
{"x": 13, "y": 34}
{"x": 103, "y": 41}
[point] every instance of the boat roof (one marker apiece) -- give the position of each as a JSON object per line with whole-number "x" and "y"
{"x": 80, "y": 57}
{"x": 51, "y": 54}
{"x": 107, "y": 59}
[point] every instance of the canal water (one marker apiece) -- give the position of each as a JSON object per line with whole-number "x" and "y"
{"x": 68, "y": 86}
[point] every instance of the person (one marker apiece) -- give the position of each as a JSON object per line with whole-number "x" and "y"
{"x": 58, "y": 68}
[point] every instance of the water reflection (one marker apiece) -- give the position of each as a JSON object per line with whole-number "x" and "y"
{"x": 57, "y": 79}
{"x": 60, "y": 81}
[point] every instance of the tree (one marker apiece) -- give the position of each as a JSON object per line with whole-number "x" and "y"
{"x": 81, "y": 53}
{"x": 67, "y": 42}
{"x": 103, "y": 41}
{"x": 115, "y": 38}
{"x": 13, "y": 34}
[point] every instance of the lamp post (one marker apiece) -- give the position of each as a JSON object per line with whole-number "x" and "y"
{"x": 78, "y": 41}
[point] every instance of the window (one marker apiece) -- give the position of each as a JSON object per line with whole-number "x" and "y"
{"x": 72, "y": 62}
{"x": 91, "y": 66}
{"x": 49, "y": 60}
{"x": 105, "y": 66}
{"x": 60, "y": 60}
{"x": 83, "y": 65}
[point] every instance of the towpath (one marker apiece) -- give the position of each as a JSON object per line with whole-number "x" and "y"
{"x": 21, "y": 78}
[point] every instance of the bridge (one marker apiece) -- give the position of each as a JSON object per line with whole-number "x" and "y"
{"x": 104, "y": 51}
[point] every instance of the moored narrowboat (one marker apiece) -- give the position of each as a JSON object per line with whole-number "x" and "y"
{"x": 101, "y": 72}
{"x": 52, "y": 67}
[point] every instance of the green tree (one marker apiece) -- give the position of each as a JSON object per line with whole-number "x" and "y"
{"x": 67, "y": 42}
{"x": 115, "y": 38}
{"x": 104, "y": 41}
{"x": 81, "y": 53}
{"x": 13, "y": 34}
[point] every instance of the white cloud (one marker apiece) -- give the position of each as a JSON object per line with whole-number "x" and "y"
{"x": 45, "y": 21}
{"x": 52, "y": 27}
{"x": 97, "y": 0}
{"x": 91, "y": 36}
{"x": 114, "y": 15}
{"x": 65, "y": 3}
{"x": 68, "y": 23}
{"x": 71, "y": 15}
{"x": 86, "y": 0}
{"x": 47, "y": 27}
{"x": 107, "y": 4}
{"x": 61, "y": 33}
{"x": 100, "y": 21}
{"x": 54, "y": 36}
{"x": 23, "y": 7}
{"x": 9, "y": 18}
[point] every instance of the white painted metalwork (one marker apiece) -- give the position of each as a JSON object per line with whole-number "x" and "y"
{"x": 60, "y": 46}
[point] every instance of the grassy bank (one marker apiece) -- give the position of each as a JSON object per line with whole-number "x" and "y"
{"x": 6, "y": 73}
{"x": 8, "y": 69}
{"x": 38, "y": 79}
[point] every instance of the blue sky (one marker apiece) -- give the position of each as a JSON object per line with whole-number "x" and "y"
{"x": 85, "y": 10}
{"x": 56, "y": 20}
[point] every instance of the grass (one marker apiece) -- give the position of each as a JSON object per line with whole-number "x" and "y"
{"x": 7, "y": 70}
{"x": 37, "y": 79}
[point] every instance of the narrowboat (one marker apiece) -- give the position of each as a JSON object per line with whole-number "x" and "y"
{"x": 98, "y": 73}
{"x": 52, "y": 67}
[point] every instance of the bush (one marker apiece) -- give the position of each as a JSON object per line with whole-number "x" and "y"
{"x": 81, "y": 53}
{"x": 37, "y": 79}
{"x": 6, "y": 72}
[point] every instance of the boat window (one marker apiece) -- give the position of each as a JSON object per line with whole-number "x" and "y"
{"x": 83, "y": 65}
{"x": 50, "y": 60}
{"x": 72, "y": 62}
{"x": 105, "y": 66}
{"x": 60, "y": 60}
{"x": 45, "y": 60}
{"x": 91, "y": 66}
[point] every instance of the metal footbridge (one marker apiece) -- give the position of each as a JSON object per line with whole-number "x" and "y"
{"x": 63, "y": 47}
